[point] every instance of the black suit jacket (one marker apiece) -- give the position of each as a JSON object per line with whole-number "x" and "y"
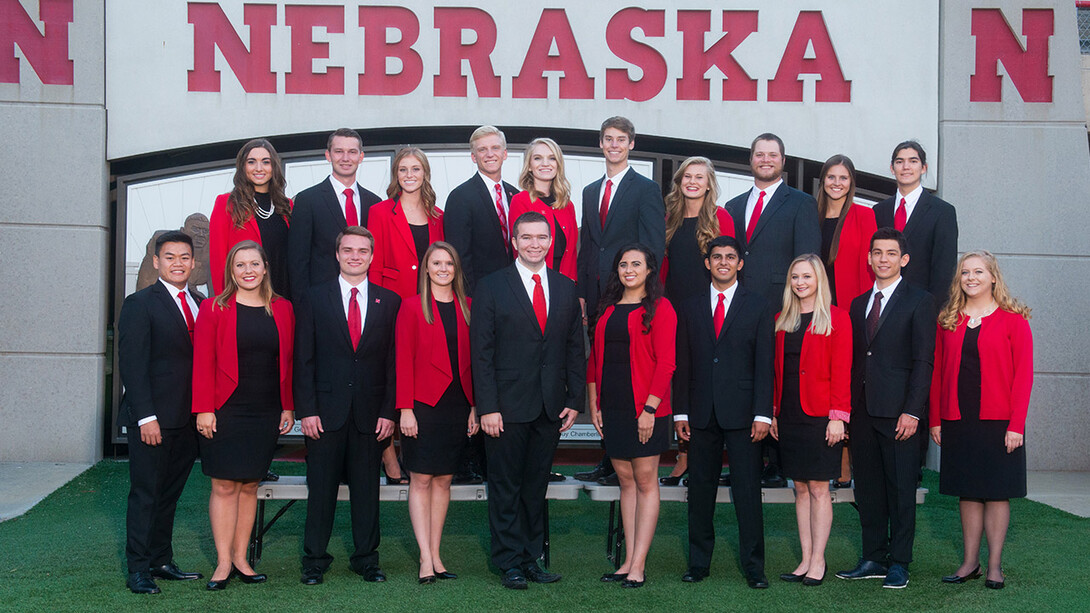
{"x": 333, "y": 381}
{"x": 517, "y": 370}
{"x": 155, "y": 358}
{"x": 726, "y": 378}
{"x": 932, "y": 235}
{"x": 471, "y": 224}
{"x": 787, "y": 228}
{"x": 896, "y": 364}
{"x": 637, "y": 213}
{"x": 316, "y": 220}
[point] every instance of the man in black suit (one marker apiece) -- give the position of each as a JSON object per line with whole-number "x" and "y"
{"x": 323, "y": 210}
{"x": 893, "y": 336}
{"x": 723, "y": 396}
{"x": 155, "y": 359}
{"x": 344, "y": 398}
{"x": 529, "y": 376}
{"x": 930, "y": 224}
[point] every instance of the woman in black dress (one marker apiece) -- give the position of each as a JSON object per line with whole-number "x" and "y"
{"x": 242, "y": 355}
{"x": 811, "y": 404}
{"x": 980, "y": 390}
{"x": 628, "y": 380}
{"x": 435, "y": 396}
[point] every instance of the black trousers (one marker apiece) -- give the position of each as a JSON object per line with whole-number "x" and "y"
{"x": 157, "y": 476}
{"x": 519, "y": 461}
{"x": 705, "y": 465}
{"x": 885, "y": 487}
{"x": 354, "y": 457}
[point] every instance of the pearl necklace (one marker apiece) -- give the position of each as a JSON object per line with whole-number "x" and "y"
{"x": 262, "y": 213}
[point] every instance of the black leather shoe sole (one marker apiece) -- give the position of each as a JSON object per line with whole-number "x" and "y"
{"x": 791, "y": 577}
{"x": 613, "y": 577}
{"x": 427, "y": 580}
{"x": 629, "y": 583}
{"x": 694, "y": 576}
{"x": 170, "y": 573}
{"x": 216, "y": 586}
{"x": 311, "y": 576}
{"x": 757, "y": 583}
{"x": 975, "y": 574}
{"x": 446, "y": 575}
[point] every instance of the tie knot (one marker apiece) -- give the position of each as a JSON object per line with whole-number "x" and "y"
{"x": 609, "y": 182}
{"x": 722, "y": 297}
{"x": 355, "y": 292}
{"x": 877, "y": 295}
{"x": 348, "y": 192}
{"x": 181, "y": 295}
{"x": 762, "y": 195}
{"x": 497, "y": 188}
{"x": 536, "y": 278}
{"x": 902, "y": 201}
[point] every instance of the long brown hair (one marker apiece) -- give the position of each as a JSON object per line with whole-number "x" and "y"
{"x": 241, "y": 203}
{"x": 427, "y": 193}
{"x": 230, "y": 288}
{"x": 952, "y": 315}
{"x": 561, "y": 187}
{"x": 707, "y": 224}
{"x": 823, "y": 198}
{"x": 791, "y": 315}
{"x": 459, "y": 285}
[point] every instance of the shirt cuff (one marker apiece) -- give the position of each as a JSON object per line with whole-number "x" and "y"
{"x": 843, "y": 416}
{"x": 681, "y": 417}
{"x": 147, "y": 420}
{"x": 762, "y": 419}
{"x": 912, "y": 416}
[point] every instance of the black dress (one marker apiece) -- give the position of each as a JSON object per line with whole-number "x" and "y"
{"x": 441, "y": 437}
{"x": 274, "y": 239}
{"x": 420, "y": 241}
{"x": 975, "y": 462}
{"x": 560, "y": 242}
{"x": 803, "y": 451}
{"x": 248, "y": 424}
{"x": 828, "y": 228}
{"x": 618, "y": 406}
{"x": 687, "y": 276}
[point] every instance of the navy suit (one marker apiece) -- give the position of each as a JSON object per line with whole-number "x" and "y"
{"x": 316, "y": 220}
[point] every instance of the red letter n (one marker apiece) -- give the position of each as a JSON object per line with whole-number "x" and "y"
{"x": 996, "y": 42}
{"x": 695, "y": 61}
{"x": 451, "y": 23}
{"x": 212, "y": 29}
{"x": 47, "y": 52}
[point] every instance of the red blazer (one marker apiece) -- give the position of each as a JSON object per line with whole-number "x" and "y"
{"x": 652, "y": 355}
{"x": 215, "y": 354}
{"x": 564, "y": 218}
{"x": 396, "y": 262}
{"x": 1006, "y": 370}
{"x": 423, "y": 360}
{"x": 726, "y": 228}
{"x": 825, "y": 369}
{"x": 853, "y": 275}
{"x": 222, "y": 235}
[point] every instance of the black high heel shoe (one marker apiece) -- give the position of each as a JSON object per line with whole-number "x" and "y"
{"x": 974, "y": 574}
{"x": 217, "y": 586}
{"x": 672, "y": 480}
{"x": 249, "y": 579}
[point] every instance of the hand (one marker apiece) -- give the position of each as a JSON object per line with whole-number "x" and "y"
{"x": 1013, "y": 441}
{"x": 774, "y": 430}
{"x": 596, "y": 419}
{"x": 759, "y": 431}
{"x": 287, "y": 420}
{"x": 408, "y": 423}
{"x": 150, "y": 434}
{"x": 834, "y": 432}
{"x": 568, "y": 418}
{"x": 384, "y": 429}
{"x": 312, "y": 427}
{"x": 583, "y": 309}
{"x": 682, "y": 429}
{"x": 492, "y": 424}
{"x": 645, "y": 425}
{"x": 906, "y": 427}
{"x": 206, "y": 424}
{"x": 472, "y": 427}
{"x": 936, "y": 435}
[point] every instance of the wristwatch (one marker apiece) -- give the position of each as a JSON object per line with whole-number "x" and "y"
{"x": 649, "y": 409}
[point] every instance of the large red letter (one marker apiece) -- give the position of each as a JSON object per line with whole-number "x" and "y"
{"x": 375, "y": 81}
{"x": 619, "y": 38}
{"x": 996, "y": 42}
{"x": 302, "y": 79}
{"x": 451, "y": 22}
{"x": 47, "y": 51}
{"x": 787, "y": 86}
{"x": 531, "y": 81}
{"x": 212, "y": 29}
{"x": 695, "y": 61}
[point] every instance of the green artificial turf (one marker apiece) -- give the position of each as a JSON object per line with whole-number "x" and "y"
{"x": 67, "y": 554}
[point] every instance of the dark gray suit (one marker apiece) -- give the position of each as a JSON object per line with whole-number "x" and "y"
{"x": 472, "y": 225}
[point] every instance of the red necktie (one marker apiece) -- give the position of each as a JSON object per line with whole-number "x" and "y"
{"x": 188, "y": 314}
{"x": 719, "y": 315}
{"x": 350, "y": 209}
{"x": 504, "y": 228}
{"x": 355, "y": 321}
{"x": 602, "y": 210}
{"x": 875, "y": 313}
{"x": 539, "y": 302}
{"x": 900, "y": 218}
{"x": 756, "y": 215}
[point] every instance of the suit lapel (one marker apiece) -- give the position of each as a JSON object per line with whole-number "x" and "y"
{"x": 770, "y": 209}
{"x": 336, "y": 311}
{"x": 518, "y": 290}
{"x": 732, "y": 310}
{"x": 401, "y": 224}
{"x": 591, "y": 213}
{"x": 333, "y": 204}
{"x": 168, "y": 303}
{"x": 618, "y": 197}
{"x": 489, "y": 199}
{"x": 923, "y": 205}
{"x": 886, "y": 310}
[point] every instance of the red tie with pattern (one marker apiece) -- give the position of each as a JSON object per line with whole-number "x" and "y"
{"x": 355, "y": 321}
{"x": 719, "y": 315}
{"x": 504, "y": 228}
{"x": 900, "y": 218}
{"x": 188, "y": 314}
{"x": 350, "y": 215}
{"x": 602, "y": 210}
{"x": 539, "y": 302}
{"x": 756, "y": 215}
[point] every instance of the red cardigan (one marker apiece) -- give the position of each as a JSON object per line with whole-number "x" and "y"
{"x": 564, "y": 218}
{"x": 1006, "y": 370}
{"x": 726, "y": 228}
{"x": 825, "y": 369}
{"x": 395, "y": 262}
{"x": 215, "y": 354}
{"x": 853, "y": 275}
{"x": 222, "y": 235}
{"x": 652, "y": 355}
{"x": 423, "y": 360}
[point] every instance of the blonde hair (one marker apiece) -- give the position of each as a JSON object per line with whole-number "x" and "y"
{"x": 707, "y": 224}
{"x": 484, "y": 131}
{"x": 791, "y": 314}
{"x": 427, "y": 193}
{"x": 230, "y": 287}
{"x": 423, "y": 283}
{"x": 561, "y": 187}
{"x": 952, "y": 315}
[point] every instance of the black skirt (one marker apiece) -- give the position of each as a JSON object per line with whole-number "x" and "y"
{"x": 804, "y": 454}
{"x": 619, "y": 427}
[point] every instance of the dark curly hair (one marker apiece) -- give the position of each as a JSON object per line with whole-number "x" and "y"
{"x": 653, "y": 289}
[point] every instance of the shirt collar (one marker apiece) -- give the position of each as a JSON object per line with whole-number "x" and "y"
{"x": 338, "y": 187}
{"x": 346, "y": 287}
{"x": 617, "y": 177}
{"x": 174, "y": 291}
{"x": 769, "y": 191}
{"x": 728, "y": 294}
{"x": 887, "y": 292}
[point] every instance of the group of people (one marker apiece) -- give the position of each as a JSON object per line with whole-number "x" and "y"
{"x": 777, "y": 317}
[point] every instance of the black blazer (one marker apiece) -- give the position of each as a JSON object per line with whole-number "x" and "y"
{"x": 932, "y": 235}
{"x": 637, "y": 213}
{"x": 517, "y": 370}
{"x": 788, "y": 227}
{"x": 728, "y": 378}
{"x": 896, "y": 364}
{"x": 471, "y": 224}
{"x": 155, "y": 358}
{"x": 332, "y": 380}
{"x": 316, "y": 220}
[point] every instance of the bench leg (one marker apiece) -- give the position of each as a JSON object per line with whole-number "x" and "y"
{"x": 253, "y": 553}
{"x": 614, "y": 535}
{"x": 545, "y": 545}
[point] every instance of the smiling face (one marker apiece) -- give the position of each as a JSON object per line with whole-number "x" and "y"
{"x": 615, "y": 145}
{"x": 886, "y": 260}
{"x": 489, "y": 153}
{"x": 543, "y": 163}
{"x": 976, "y": 279}
{"x": 803, "y": 280}
{"x": 354, "y": 257}
{"x": 766, "y": 161}
{"x": 440, "y": 266}
{"x": 837, "y": 182}
{"x": 410, "y": 174}
{"x": 632, "y": 269}
{"x": 345, "y": 156}
{"x": 908, "y": 169}
{"x": 248, "y": 269}
{"x": 695, "y": 182}
{"x": 175, "y": 263}
{"x": 532, "y": 240}
{"x": 259, "y": 169}
{"x": 724, "y": 265}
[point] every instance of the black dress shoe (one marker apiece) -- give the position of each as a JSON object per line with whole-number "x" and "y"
{"x": 669, "y": 480}
{"x": 695, "y": 574}
{"x": 772, "y": 477}
{"x": 513, "y": 579}
{"x": 249, "y": 579}
{"x": 428, "y": 580}
{"x": 535, "y": 573}
{"x": 631, "y": 583}
{"x": 613, "y": 577}
{"x": 840, "y": 485}
{"x": 312, "y": 576}
{"x": 555, "y": 477}
{"x": 866, "y": 569}
{"x": 610, "y": 479}
{"x": 596, "y": 473}
{"x": 811, "y": 582}
{"x": 897, "y": 577}
{"x": 142, "y": 583}
{"x": 371, "y": 573}
{"x": 446, "y": 574}
{"x": 216, "y": 586}
{"x": 791, "y": 577}
{"x": 757, "y": 582}
{"x": 171, "y": 572}
{"x": 974, "y": 574}
{"x": 724, "y": 479}
{"x": 402, "y": 480}
{"x": 994, "y": 585}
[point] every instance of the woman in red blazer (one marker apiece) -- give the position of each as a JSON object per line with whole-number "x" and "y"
{"x": 242, "y": 395}
{"x": 547, "y": 191}
{"x": 435, "y": 396}
{"x": 980, "y": 391}
{"x": 256, "y": 210}
{"x": 628, "y": 380}
{"x": 811, "y": 403}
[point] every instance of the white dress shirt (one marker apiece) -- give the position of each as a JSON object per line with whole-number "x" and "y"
{"x": 616, "y": 179}
{"x": 528, "y": 282}
{"x": 193, "y": 308}
{"x": 338, "y": 188}
{"x": 911, "y": 198}
{"x": 751, "y": 204}
{"x": 361, "y": 298}
{"x": 491, "y": 185}
{"x": 886, "y": 293}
